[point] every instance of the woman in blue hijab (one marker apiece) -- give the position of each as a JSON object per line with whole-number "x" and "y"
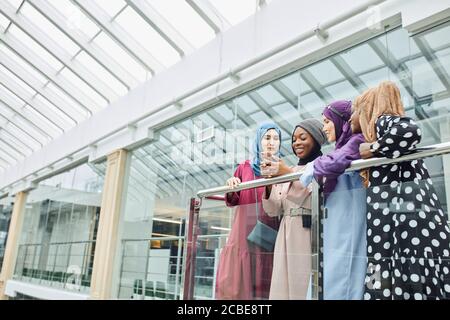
{"x": 245, "y": 269}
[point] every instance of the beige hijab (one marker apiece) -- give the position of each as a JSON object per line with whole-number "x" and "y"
{"x": 382, "y": 100}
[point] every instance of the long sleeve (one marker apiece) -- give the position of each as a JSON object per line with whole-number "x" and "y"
{"x": 307, "y": 175}
{"x": 332, "y": 165}
{"x": 398, "y": 136}
{"x": 273, "y": 204}
{"x": 232, "y": 198}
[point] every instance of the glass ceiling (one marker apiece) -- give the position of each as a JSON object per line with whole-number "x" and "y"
{"x": 61, "y": 61}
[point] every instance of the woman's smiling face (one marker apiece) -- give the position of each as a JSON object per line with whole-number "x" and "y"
{"x": 302, "y": 143}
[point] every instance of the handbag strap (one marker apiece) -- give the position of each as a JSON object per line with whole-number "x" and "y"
{"x": 256, "y": 200}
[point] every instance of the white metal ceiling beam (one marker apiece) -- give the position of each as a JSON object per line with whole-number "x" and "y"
{"x": 49, "y": 72}
{"x": 162, "y": 26}
{"x": 76, "y": 115}
{"x": 145, "y": 164}
{"x": 314, "y": 84}
{"x": 11, "y": 158}
{"x": 8, "y": 135}
{"x": 290, "y": 97}
{"x": 120, "y": 36}
{"x": 17, "y": 109}
{"x": 350, "y": 75}
{"x": 433, "y": 60}
{"x": 11, "y": 147}
{"x": 138, "y": 168}
{"x": 5, "y": 164}
{"x": 397, "y": 67}
{"x": 150, "y": 162}
{"x": 95, "y": 51}
{"x": 394, "y": 65}
{"x": 19, "y": 128}
{"x": 193, "y": 165}
{"x": 265, "y": 107}
{"x": 210, "y": 15}
{"x": 58, "y": 52}
{"x": 37, "y": 105}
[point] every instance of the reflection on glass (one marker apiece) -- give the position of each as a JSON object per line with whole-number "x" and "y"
{"x": 57, "y": 241}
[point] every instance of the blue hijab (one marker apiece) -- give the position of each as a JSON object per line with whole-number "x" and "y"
{"x": 257, "y": 148}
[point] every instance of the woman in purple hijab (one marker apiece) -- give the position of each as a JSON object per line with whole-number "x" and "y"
{"x": 344, "y": 224}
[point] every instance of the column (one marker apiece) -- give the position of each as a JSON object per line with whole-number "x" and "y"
{"x": 107, "y": 235}
{"x": 12, "y": 243}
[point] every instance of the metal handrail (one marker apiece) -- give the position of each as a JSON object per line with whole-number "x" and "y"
{"x": 423, "y": 152}
{"x": 56, "y": 243}
{"x": 154, "y": 238}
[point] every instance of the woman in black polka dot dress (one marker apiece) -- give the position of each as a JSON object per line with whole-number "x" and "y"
{"x": 407, "y": 230}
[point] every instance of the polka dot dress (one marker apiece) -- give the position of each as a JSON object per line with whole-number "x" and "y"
{"x": 407, "y": 231}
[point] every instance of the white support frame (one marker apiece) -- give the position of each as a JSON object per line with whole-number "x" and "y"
{"x": 122, "y": 38}
{"x": 210, "y": 15}
{"x": 58, "y": 52}
{"x": 29, "y": 99}
{"x": 16, "y": 107}
{"x": 38, "y": 86}
{"x": 49, "y": 72}
{"x": 95, "y": 51}
{"x": 162, "y": 26}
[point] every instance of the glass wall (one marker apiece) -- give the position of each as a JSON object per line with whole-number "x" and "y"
{"x": 6, "y": 207}
{"x": 203, "y": 151}
{"x": 57, "y": 242}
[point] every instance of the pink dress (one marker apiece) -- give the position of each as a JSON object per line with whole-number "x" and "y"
{"x": 245, "y": 270}
{"x": 292, "y": 253}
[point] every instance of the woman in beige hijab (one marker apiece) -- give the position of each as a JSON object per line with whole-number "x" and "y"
{"x": 408, "y": 237}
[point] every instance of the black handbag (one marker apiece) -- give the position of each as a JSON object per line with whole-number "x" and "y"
{"x": 306, "y": 220}
{"x": 262, "y": 235}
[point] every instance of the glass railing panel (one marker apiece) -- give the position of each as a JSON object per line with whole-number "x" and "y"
{"x": 227, "y": 257}
{"x": 63, "y": 265}
{"x": 151, "y": 269}
{"x": 389, "y": 240}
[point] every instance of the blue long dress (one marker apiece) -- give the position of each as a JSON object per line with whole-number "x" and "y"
{"x": 344, "y": 228}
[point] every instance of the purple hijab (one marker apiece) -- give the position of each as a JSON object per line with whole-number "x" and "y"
{"x": 332, "y": 165}
{"x": 340, "y": 112}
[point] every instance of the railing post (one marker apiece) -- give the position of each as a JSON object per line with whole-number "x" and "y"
{"x": 177, "y": 273}
{"x": 34, "y": 259}
{"x": 191, "y": 252}
{"x": 54, "y": 264}
{"x": 144, "y": 281}
{"x": 315, "y": 240}
{"x": 20, "y": 253}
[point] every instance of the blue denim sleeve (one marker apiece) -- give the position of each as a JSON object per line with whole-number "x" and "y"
{"x": 308, "y": 174}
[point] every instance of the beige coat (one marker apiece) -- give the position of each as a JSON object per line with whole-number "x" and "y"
{"x": 292, "y": 253}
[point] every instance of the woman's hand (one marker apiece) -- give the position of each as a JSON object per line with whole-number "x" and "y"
{"x": 283, "y": 168}
{"x": 233, "y": 182}
{"x": 278, "y": 168}
{"x": 364, "y": 150}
